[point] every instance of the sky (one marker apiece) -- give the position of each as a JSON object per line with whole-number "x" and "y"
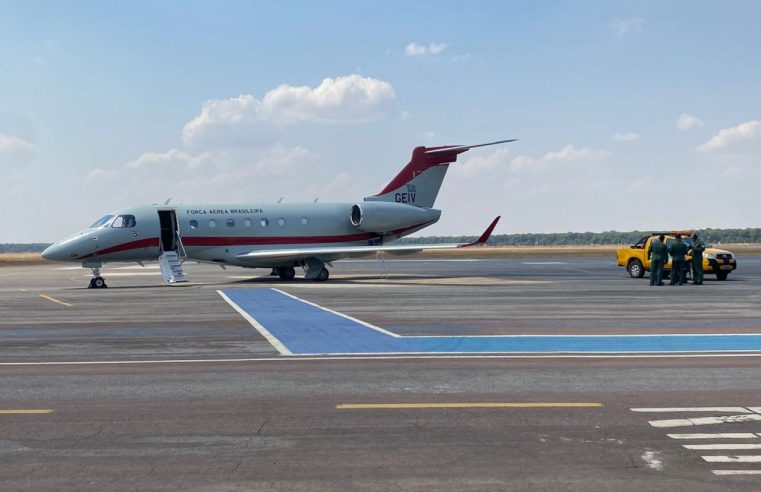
{"x": 629, "y": 114}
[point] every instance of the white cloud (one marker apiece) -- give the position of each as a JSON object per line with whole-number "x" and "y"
{"x": 625, "y": 137}
{"x": 417, "y": 49}
{"x": 343, "y": 100}
{"x": 750, "y": 130}
{"x": 688, "y": 121}
{"x": 569, "y": 153}
{"x": 341, "y": 187}
{"x": 14, "y": 151}
{"x": 479, "y": 165}
{"x": 172, "y": 156}
{"x": 622, "y": 27}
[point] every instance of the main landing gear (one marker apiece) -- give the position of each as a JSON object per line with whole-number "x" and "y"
{"x": 96, "y": 282}
{"x": 315, "y": 270}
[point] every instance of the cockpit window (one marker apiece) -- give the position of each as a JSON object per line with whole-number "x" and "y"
{"x": 102, "y": 221}
{"x": 124, "y": 221}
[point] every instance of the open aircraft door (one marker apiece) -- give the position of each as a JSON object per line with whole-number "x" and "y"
{"x": 172, "y": 250}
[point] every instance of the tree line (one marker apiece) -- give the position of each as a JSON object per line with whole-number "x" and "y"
{"x": 713, "y": 236}
{"x": 717, "y": 236}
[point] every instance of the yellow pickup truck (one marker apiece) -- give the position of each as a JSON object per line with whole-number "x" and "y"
{"x": 636, "y": 258}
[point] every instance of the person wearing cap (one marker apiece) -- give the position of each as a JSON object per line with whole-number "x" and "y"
{"x": 658, "y": 256}
{"x": 698, "y": 247}
{"x": 678, "y": 252}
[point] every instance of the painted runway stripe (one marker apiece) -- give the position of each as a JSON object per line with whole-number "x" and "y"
{"x": 30, "y": 411}
{"x": 736, "y": 472}
{"x": 721, "y": 447}
{"x": 694, "y": 409}
{"x": 53, "y": 299}
{"x": 305, "y": 328}
{"x": 402, "y": 406}
{"x": 725, "y": 435}
{"x": 729, "y": 419}
{"x": 741, "y": 458}
{"x": 332, "y": 358}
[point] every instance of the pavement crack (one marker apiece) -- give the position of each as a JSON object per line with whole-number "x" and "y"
{"x": 134, "y": 482}
{"x": 261, "y": 427}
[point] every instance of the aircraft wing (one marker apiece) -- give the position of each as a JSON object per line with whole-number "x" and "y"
{"x": 333, "y": 252}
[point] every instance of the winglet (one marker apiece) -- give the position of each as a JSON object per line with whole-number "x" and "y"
{"x": 485, "y": 236}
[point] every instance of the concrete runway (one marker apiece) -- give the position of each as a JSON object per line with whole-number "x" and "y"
{"x": 151, "y": 387}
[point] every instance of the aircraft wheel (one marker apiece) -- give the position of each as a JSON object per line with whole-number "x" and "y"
{"x": 286, "y": 273}
{"x": 97, "y": 283}
{"x": 323, "y": 275}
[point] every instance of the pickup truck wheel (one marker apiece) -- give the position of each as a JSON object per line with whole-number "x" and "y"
{"x": 722, "y": 275}
{"x": 636, "y": 270}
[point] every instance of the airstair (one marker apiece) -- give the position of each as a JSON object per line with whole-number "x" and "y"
{"x": 171, "y": 267}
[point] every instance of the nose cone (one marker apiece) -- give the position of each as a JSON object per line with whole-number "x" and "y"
{"x": 53, "y": 253}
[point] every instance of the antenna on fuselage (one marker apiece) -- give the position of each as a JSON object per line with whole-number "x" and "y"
{"x": 315, "y": 200}
{"x": 281, "y": 199}
{"x": 168, "y": 200}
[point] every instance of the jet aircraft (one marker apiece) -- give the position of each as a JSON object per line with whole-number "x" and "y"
{"x": 276, "y": 236}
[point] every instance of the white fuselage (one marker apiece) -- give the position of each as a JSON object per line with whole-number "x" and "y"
{"x": 221, "y": 232}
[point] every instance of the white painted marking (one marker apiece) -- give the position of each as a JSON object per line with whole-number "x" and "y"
{"x": 722, "y": 447}
{"x": 737, "y": 458}
{"x": 755, "y": 409}
{"x": 651, "y": 459}
{"x": 69, "y": 268}
{"x": 729, "y": 419}
{"x": 346, "y": 316}
{"x": 126, "y": 274}
{"x": 261, "y": 329}
{"x": 381, "y": 357}
{"x": 736, "y": 472}
{"x": 694, "y": 409}
{"x": 137, "y": 267}
{"x": 725, "y": 435}
{"x": 462, "y": 260}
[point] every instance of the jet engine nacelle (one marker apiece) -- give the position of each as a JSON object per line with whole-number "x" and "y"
{"x": 385, "y": 216}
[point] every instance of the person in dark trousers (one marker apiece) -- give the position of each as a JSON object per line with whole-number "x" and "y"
{"x": 678, "y": 252}
{"x": 698, "y": 247}
{"x": 658, "y": 254}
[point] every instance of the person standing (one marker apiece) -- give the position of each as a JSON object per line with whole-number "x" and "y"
{"x": 658, "y": 254}
{"x": 698, "y": 247}
{"x": 678, "y": 251}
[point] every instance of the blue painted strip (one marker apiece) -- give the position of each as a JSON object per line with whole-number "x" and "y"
{"x": 308, "y": 330}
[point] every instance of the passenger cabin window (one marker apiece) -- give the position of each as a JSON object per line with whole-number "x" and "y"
{"x": 281, "y": 221}
{"x": 194, "y": 224}
{"x": 230, "y": 222}
{"x": 264, "y": 222}
{"x": 102, "y": 221}
{"x": 247, "y": 222}
{"x": 124, "y": 221}
{"x": 212, "y": 223}
{"x": 304, "y": 221}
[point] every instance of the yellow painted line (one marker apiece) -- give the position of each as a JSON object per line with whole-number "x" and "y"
{"x": 33, "y": 411}
{"x": 53, "y": 299}
{"x": 364, "y": 406}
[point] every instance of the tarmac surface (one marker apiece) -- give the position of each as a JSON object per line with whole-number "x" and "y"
{"x": 145, "y": 387}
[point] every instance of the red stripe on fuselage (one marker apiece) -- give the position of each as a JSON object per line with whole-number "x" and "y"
{"x": 152, "y": 242}
{"x": 210, "y": 241}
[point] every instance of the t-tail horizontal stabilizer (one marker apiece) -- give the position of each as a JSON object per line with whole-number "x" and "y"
{"x": 419, "y": 182}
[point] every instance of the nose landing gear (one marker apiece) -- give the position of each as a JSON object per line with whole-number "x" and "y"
{"x": 96, "y": 282}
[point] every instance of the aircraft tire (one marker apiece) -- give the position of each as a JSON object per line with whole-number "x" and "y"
{"x": 323, "y": 275}
{"x": 286, "y": 273}
{"x": 97, "y": 283}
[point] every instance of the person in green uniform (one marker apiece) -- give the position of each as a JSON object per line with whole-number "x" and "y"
{"x": 698, "y": 247}
{"x": 678, "y": 252}
{"x": 658, "y": 254}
